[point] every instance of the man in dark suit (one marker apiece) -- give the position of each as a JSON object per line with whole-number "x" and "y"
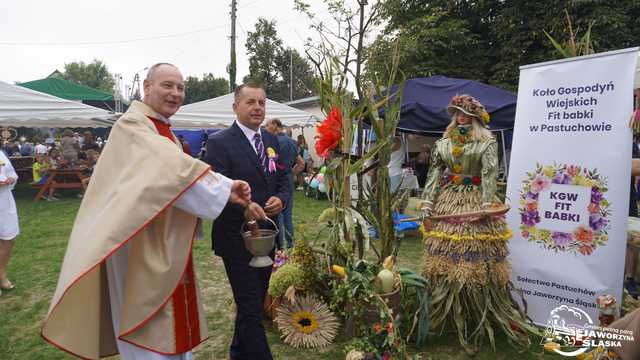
{"x": 246, "y": 152}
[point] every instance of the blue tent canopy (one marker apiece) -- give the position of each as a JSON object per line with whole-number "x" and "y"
{"x": 195, "y": 138}
{"x": 425, "y": 100}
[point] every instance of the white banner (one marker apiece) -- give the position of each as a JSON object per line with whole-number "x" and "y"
{"x": 569, "y": 181}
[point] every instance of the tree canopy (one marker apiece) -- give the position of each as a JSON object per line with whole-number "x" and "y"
{"x": 206, "y": 88}
{"x": 94, "y": 75}
{"x": 270, "y": 64}
{"x": 488, "y": 40}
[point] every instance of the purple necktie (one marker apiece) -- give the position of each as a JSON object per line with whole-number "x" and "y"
{"x": 257, "y": 142}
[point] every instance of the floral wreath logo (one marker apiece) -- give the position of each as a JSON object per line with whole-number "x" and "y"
{"x": 583, "y": 239}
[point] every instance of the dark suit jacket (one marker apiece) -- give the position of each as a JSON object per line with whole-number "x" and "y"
{"x": 230, "y": 153}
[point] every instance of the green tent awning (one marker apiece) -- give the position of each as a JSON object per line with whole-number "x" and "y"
{"x": 67, "y": 90}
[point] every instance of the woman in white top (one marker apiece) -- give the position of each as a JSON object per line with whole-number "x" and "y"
{"x": 395, "y": 163}
{"x": 8, "y": 218}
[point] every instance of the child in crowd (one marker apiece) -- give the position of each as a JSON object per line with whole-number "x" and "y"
{"x": 40, "y": 170}
{"x": 90, "y": 163}
{"x": 55, "y": 158}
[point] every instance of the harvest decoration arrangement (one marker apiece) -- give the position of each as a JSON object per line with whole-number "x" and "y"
{"x": 327, "y": 286}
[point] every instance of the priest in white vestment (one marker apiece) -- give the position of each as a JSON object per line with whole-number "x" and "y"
{"x": 128, "y": 283}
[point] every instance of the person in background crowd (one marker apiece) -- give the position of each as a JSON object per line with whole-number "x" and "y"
{"x": 7, "y": 148}
{"x": 395, "y": 163}
{"x": 422, "y": 164}
{"x": 55, "y": 158}
{"x": 92, "y": 159}
{"x": 89, "y": 143}
{"x": 16, "y": 148}
{"x": 185, "y": 145}
{"x": 79, "y": 139}
{"x": 293, "y": 165}
{"x": 70, "y": 147}
{"x": 26, "y": 149}
{"x": 636, "y": 144}
{"x": 202, "y": 155}
{"x": 40, "y": 148}
{"x": 18, "y": 145}
{"x": 303, "y": 151}
{"x": 9, "y": 227}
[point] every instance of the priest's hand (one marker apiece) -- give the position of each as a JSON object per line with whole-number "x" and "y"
{"x": 240, "y": 193}
{"x": 273, "y": 206}
{"x": 254, "y": 211}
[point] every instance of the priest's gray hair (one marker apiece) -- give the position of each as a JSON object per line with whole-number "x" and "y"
{"x": 152, "y": 70}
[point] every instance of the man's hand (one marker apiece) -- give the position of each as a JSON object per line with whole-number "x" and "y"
{"x": 254, "y": 211}
{"x": 273, "y": 206}
{"x": 240, "y": 193}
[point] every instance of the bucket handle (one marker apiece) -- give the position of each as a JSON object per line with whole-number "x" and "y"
{"x": 244, "y": 223}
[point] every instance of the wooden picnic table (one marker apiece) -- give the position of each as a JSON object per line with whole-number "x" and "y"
{"x": 61, "y": 179}
{"x": 22, "y": 165}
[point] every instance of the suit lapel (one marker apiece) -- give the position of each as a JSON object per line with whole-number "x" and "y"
{"x": 248, "y": 148}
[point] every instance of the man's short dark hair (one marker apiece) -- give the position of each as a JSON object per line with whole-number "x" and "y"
{"x": 152, "y": 70}
{"x": 251, "y": 85}
{"x": 277, "y": 123}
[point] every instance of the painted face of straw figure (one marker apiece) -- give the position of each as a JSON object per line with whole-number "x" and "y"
{"x": 463, "y": 119}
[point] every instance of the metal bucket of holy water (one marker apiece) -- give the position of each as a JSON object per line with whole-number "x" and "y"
{"x": 260, "y": 243}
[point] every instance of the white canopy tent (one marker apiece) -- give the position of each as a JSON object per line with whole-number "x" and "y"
{"x": 218, "y": 112}
{"x": 22, "y": 107}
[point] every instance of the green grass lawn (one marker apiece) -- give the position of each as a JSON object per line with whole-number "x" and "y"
{"x": 37, "y": 258}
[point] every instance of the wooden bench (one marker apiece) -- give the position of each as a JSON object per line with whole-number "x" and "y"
{"x": 60, "y": 179}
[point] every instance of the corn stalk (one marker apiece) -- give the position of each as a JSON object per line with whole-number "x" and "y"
{"x": 385, "y": 130}
{"x": 573, "y": 47}
{"x": 349, "y": 231}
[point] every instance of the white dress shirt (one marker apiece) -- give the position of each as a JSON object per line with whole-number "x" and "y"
{"x": 250, "y": 133}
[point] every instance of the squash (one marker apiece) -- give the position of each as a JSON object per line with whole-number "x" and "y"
{"x": 385, "y": 280}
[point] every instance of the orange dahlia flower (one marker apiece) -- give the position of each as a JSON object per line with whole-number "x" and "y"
{"x": 329, "y": 133}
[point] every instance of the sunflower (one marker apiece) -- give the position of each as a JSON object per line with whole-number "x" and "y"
{"x": 306, "y": 323}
